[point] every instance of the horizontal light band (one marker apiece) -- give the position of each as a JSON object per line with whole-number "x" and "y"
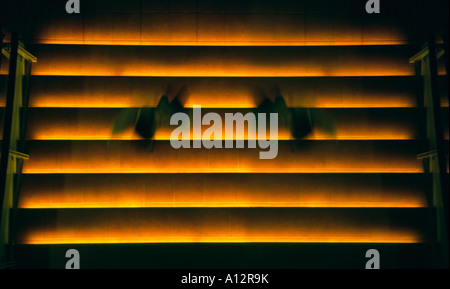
{"x": 207, "y": 61}
{"x": 224, "y": 171}
{"x": 219, "y": 43}
{"x": 406, "y": 239}
{"x": 279, "y": 204}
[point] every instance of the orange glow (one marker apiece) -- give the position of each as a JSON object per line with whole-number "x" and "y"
{"x": 217, "y": 225}
{"x": 238, "y": 100}
{"x": 230, "y": 27}
{"x": 126, "y": 157}
{"x": 202, "y": 234}
{"x": 155, "y": 72}
{"x": 278, "y": 204}
{"x": 160, "y": 137}
{"x": 89, "y": 104}
{"x": 219, "y": 191}
{"x": 215, "y": 61}
{"x": 103, "y": 133}
{"x": 82, "y": 185}
{"x": 220, "y": 43}
{"x": 223, "y": 92}
{"x": 274, "y": 239}
{"x": 345, "y": 170}
{"x": 73, "y": 124}
{"x": 444, "y": 101}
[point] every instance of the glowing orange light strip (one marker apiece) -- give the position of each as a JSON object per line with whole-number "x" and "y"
{"x": 278, "y": 204}
{"x": 107, "y": 240}
{"x": 126, "y": 157}
{"x": 212, "y": 61}
{"x": 281, "y": 138}
{"x": 101, "y": 130}
{"x": 68, "y": 133}
{"x": 237, "y": 100}
{"x": 155, "y": 73}
{"x": 61, "y": 103}
{"x": 220, "y": 43}
{"x": 211, "y": 226}
{"x": 220, "y": 170}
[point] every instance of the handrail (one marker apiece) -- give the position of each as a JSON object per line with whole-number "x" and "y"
{"x": 11, "y": 162}
{"x": 18, "y": 155}
{"x": 428, "y": 154}
{"x": 424, "y": 53}
{"x": 6, "y": 143}
{"x": 22, "y": 52}
{"x": 434, "y": 160}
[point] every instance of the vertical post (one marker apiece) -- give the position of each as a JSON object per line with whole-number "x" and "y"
{"x": 438, "y": 133}
{"x": 7, "y": 139}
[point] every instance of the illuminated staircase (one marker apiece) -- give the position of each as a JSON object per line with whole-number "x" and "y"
{"x": 321, "y": 206}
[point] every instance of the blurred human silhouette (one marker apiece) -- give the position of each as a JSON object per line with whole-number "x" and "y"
{"x": 147, "y": 120}
{"x": 299, "y": 121}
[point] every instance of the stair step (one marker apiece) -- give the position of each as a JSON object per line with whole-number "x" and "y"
{"x": 229, "y": 23}
{"x": 226, "y": 256}
{"x": 70, "y": 91}
{"x": 87, "y": 60}
{"x": 96, "y": 124}
{"x": 222, "y": 190}
{"x": 293, "y": 157}
{"x": 222, "y": 225}
{"x": 224, "y": 29}
{"x": 234, "y": 92}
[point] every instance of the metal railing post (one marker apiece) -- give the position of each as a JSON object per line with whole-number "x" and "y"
{"x": 6, "y": 144}
{"x": 438, "y": 130}
{"x": 438, "y": 133}
{"x": 434, "y": 160}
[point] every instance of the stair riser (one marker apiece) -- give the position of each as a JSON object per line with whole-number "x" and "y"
{"x": 300, "y": 156}
{"x": 222, "y": 190}
{"x": 162, "y": 225}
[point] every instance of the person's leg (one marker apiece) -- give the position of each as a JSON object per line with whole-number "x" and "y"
{"x": 146, "y": 124}
{"x": 177, "y": 94}
{"x": 302, "y": 123}
{"x": 170, "y": 103}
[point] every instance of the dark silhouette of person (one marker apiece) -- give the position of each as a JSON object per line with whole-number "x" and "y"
{"x": 300, "y": 121}
{"x": 147, "y": 120}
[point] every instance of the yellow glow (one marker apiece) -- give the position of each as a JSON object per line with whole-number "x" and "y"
{"x": 100, "y": 129}
{"x": 213, "y": 226}
{"x": 240, "y": 226}
{"x": 62, "y": 101}
{"x": 130, "y": 157}
{"x": 215, "y": 93}
{"x": 220, "y": 43}
{"x": 278, "y": 204}
{"x": 281, "y": 138}
{"x": 274, "y": 170}
{"x": 156, "y": 72}
{"x": 46, "y": 134}
{"x": 212, "y": 62}
{"x": 274, "y": 239}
